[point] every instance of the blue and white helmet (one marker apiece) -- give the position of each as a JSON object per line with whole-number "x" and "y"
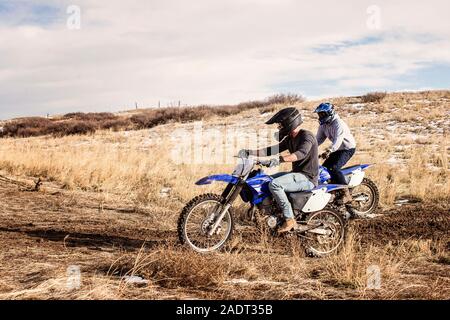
{"x": 326, "y": 112}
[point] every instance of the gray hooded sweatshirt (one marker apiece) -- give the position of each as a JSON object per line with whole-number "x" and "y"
{"x": 339, "y": 134}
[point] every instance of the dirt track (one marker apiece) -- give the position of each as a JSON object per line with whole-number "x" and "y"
{"x": 417, "y": 221}
{"x": 43, "y": 233}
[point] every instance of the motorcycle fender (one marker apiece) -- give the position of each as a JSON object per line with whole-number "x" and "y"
{"x": 355, "y": 178}
{"x": 318, "y": 200}
{"x": 218, "y": 177}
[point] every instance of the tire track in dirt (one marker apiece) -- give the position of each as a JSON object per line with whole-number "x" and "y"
{"x": 79, "y": 223}
{"x": 43, "y": 234}
{"x": 92, "y": 240}
{"x": 76, "y": 222}
{"x": 415, "y": 221}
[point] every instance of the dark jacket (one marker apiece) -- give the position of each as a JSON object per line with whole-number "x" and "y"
{"x": 304, "y": 145}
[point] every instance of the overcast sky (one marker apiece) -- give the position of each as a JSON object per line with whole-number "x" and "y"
{"x": 213, "y": 51}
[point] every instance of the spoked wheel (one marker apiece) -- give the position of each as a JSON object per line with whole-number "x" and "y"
{"x": 197, "y": 219}
{"x": 328, "y": 234}
{"x": 365, "y": 198}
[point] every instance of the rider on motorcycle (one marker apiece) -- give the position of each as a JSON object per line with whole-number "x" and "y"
{"x": 303, "y": 149}
{"x": 343, "y": 147}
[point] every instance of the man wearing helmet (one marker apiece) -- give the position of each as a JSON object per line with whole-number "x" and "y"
{"x": 303, "y": 149}
{"x": 343, "y": 144}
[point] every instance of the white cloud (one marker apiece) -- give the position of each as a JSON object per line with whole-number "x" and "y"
{"x": 209, "y": 51}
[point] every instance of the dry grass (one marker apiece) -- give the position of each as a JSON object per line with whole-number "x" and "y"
{"x": 140, "y": 165}
{"x": 405, "y": 135}
{"x": 350, "y": 268}
{"x": 257, "y": 275}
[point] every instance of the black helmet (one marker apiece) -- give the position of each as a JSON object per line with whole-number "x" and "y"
{"x": 288, "y": 119}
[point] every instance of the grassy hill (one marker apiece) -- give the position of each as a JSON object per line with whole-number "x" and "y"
{"x": 111, "y": 197}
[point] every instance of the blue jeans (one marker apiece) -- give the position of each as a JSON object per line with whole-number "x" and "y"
{"x": 288, "y": 182}
{"x": 335, "y": 162}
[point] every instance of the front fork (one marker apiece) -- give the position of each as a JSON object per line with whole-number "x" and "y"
{"x": 229, "y": 195}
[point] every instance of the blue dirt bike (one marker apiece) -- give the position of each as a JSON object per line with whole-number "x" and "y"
{"x": 206, "y": 222}
{"x": 363, "y": 190}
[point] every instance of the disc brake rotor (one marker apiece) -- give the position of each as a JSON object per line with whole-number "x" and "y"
{"x": 207, "y": 224}
{"x": 323, "y": 239}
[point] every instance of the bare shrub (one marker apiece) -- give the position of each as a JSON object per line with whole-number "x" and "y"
{"x": 154, "y": 117}
{"x": 117, "y": 124}
{"x": 375, "y": 97}
{"x": 84, "y": 123}
{"x": 285, "y": 98}
{"x": 267, "y": 109}
{"x": 94, "y": 116}
{"x": 180, "y": 268}
{"x": 72, "y": 128}
{"x": 26, "y": 127}
{"x": 32, "y": 127}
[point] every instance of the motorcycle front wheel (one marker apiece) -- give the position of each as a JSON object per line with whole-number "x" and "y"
{"x": 197, "y": 219}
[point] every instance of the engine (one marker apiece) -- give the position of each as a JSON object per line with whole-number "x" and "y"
{"x": 266, "y": 207}
{"x": 268, "y": 211}
{"x": 272, "y": 222}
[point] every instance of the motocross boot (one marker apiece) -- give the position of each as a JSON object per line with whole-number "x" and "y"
{"x": 288, "y": 225}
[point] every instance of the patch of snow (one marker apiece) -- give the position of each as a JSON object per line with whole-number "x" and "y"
{"x": 358, "y": 106}
{"x": 245, "y": 281}
{"x": 236, "y": 281}
{"x": 392, "y": 127}
{"x": 164, "y": 193}
{"x": 135, "y": 280}
{"x": 393, "y": 160}
{"x": 403, "y": 201}
{"x": 432, "y": 167}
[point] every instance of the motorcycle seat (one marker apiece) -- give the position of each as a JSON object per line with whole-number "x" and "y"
{"x": 350, "y": 169}
{"x": 298, "y": 199}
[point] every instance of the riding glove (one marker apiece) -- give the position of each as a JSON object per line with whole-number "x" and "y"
{"x": 244, "y": 153}
{"x": 325, "y": 154}
{"x": 274, "y": 162}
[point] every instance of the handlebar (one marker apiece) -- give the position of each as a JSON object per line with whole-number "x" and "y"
{"x": 264, "y": 163}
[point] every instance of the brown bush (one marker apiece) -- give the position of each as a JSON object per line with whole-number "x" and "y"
{"x": 375, "y": 97}
{"x": 85, "y": 123}
{"x": 154, "y": 117}
{"x": 26, "y": 127}
{"x": 71, "y": 128}
{"x": 285, "y": 98}
{"x": 117, "y": 124}
{"x": 32, "y": 127}
{"x": 93, "y": 116}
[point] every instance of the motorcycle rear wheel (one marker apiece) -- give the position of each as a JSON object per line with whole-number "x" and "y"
{"x": 196, "y": 219}
{"x": 329, "y": 235}
{"x": 369, "y": 190}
